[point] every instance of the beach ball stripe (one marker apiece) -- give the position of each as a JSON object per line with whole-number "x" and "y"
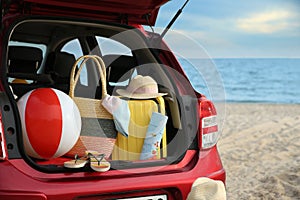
{"x": 40, "y": 126}
{"x": 51, "y": 122}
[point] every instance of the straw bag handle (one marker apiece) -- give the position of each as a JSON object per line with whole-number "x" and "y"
{"x": 100, "y": 66}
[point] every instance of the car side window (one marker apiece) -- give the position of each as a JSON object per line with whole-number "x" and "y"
{"x": 112, "y": 51}
{"x": 17, "y": 60}
{"x": 109, "y": 46}
{"x": 74, "y": 47}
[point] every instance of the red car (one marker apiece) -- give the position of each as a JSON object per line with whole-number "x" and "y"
{"x": 40, "y": 41}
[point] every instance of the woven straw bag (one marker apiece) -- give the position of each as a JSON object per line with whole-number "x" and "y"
{"x": 98, "y": 132}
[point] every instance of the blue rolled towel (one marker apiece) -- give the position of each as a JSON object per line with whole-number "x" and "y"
{"x": 153, "y": 136}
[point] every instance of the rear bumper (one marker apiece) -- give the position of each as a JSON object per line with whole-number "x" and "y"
{"x": 27, "y": 184}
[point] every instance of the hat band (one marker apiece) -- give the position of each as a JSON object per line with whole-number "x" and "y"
{"x": 146, "y": 90}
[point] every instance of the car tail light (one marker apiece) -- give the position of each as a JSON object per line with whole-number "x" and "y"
{"x": 208, "y": 124}
{"x": 3, "y": 152}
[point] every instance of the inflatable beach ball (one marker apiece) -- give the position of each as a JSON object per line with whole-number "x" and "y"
{"x": 51, "y": 123}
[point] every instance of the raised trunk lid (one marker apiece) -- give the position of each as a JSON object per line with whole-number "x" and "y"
{"x": 119, "y": 11}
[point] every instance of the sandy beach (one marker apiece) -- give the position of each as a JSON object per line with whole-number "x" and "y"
{"x": 260, "y": 150}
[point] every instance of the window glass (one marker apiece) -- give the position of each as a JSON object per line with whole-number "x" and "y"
{"x": 25, "y": 44}
{"x": 74, "y": 47}
{"x": 110, "y": 46}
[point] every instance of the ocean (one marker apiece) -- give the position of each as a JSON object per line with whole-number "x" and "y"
{"x": 246, "y": 80}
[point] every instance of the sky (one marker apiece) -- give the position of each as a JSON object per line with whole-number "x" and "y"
{"x": 238, "y": 29}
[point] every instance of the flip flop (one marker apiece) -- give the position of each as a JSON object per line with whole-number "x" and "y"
{"x": 98, "y": 163}
{"x": 76, "y": 163}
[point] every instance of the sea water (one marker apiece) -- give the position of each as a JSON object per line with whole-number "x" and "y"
{"x": 271, "y": 80}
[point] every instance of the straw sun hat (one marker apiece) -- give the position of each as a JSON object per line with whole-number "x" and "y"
{"x": 141, "y": 87}
{"x": 207, "y": 189}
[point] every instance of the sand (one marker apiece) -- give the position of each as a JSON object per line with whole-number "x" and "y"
{"x": 260, "y": 150}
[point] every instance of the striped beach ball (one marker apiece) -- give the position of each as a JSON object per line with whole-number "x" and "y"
{"x": 51, "y": 123}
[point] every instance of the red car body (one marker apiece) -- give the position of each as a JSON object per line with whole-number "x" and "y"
{"x": 20, "y": 179}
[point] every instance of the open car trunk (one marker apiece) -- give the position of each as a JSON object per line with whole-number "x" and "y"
{"x": 53, "y": 46}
